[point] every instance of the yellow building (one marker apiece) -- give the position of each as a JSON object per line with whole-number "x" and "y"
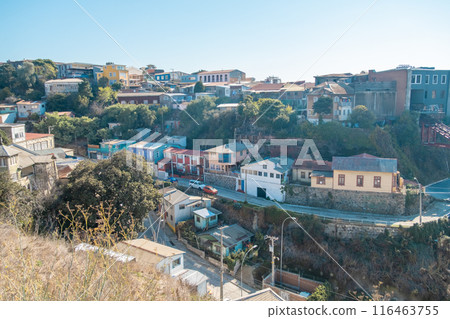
{"x": 115, "y": 73}
{"x": 362, "y": 172}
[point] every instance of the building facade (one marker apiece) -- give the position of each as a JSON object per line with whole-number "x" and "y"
{"x": 115, "y": 73}
{"x": 228, "y": 76}
{"x": 27, "y": 108}
{"x": 64, "y": 86}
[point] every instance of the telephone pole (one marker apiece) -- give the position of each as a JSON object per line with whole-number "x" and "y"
{"x": 272, "y": 250}
{"x": 221, "y": 263}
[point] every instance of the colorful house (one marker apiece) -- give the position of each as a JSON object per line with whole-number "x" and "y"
{"x": 234, "y": 238}
{"x": 206, "y": 218}
{"x": 115, "y": 73}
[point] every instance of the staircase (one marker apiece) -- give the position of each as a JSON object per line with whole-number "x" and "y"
{"x": 429, "y": 132}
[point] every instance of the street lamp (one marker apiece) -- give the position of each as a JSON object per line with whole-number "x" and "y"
{"x": 281, "y": 254}
{"x": 420, "y": 202}
{"x": 242, "y": 266}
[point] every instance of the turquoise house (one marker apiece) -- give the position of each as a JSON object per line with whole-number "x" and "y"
{"x": 206, "y": 218}
{"x": 234, "y": 238}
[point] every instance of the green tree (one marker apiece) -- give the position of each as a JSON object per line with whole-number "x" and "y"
{"x": 362, "y": 117}
{"x": 7, "y": 75}
{"x": 199, "y": 87}
{"x": 116, "y": 86}
{"x": 103, "y": 82}
{"x": 106, "y": 96}
{"x": 26, "y": 77}
{"x": 322, "y": 293}
{"x": 5, "y": 93}
{"x": 115, "y": 181}
{"x": 324, "y": 105}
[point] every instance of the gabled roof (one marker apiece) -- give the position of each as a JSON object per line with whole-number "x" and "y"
{"x": 333, "y": 88}
{"x": 275, "y": 163}
{"x": 228, "y": 148}
{"x": 182, "y": 151}
{"x": 206, "y": 212}
{"x": 7, "y": 151}
{"x": 173, "y": 195}
{"x": 262, "y": 295}
{"x": 365, "y": 163}
{"x": 232, "y": 234}
{"x": 267, "y": 87}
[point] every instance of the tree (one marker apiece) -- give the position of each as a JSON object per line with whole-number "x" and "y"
{"x": 26, "y": 77}
{"x": 116, "y": 182}
{"x": 199, "y": 87}
{"x": 248, "y": 108}
{"x": 324, "y": 105}
{"x": 116, "y": 86}
{"x": 362, "y": 117}
{"x": 322, "y": 293}
{"x": 103, "y": 82}
{"x": 5, "y": 138}
{"x": 7, "y": 75}
{"x": 5, "y": 93}
{"x": 106, "y": 96}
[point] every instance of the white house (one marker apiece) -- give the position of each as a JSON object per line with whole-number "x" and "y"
{"x": 266, "y": 178}
{"x": 164, "y": 258}
{"x": 178, "y": 206}
{"x": 26, "y": 108}
{"x": 62, "y": 86}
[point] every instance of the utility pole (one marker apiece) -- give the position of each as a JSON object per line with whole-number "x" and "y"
{"x": 246, "y": 185}
{"x": 221, "y": 263}
{"x": 272, "y": 250}
{"x": 420, "y": 201}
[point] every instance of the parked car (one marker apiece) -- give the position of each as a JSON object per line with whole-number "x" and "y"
{"x": 172, "y": 180}
{"x": 196, "y": 184}
{"x": 210, "y": 190}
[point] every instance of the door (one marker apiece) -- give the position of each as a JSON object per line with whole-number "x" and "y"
{"x": 261, "y": 192}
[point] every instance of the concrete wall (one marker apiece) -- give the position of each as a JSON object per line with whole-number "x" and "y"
{"x": 224, "y": 181}
{"x": 349, "y": 231}
{"x": 370, "y": 202}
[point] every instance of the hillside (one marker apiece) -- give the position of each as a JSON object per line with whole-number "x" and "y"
{"x": 37, "y": 268}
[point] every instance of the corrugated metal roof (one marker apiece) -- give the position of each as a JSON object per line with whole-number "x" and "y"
{"x": 232, "y": 234}
{"x": 262, "y": 295}
{"x": 365, "y": 164}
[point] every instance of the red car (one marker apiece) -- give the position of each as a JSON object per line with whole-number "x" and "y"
{"x": 210, "y": 190}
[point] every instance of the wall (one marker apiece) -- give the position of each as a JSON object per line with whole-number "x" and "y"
{"x": 349, "y": 231}
{"x": 196, "y": 251}
{"x": 224, "y": 181}
{"x": 368, "y": 181}
{"x": 368, "y": 202}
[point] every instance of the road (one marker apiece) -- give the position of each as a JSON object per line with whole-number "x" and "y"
{"x": 231, "y": 287}
{"x": 435, "y": 211}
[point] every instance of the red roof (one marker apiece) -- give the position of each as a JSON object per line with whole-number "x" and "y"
{"x": 33, "y": 136}
{"x": 267, "y": 87}
{"x": 182, "y": 151}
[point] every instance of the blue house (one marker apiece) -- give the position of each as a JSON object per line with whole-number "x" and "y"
{"x": 234, "y": 239}
{"x": 430, "y": 90}
{"x": 206, "y": 218}
{"x": 152, "y": 152}
{"x": 189, "y": 78}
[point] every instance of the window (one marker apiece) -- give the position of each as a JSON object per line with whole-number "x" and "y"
{"x": 277, "y": 176}
{"x": 302, "y": 175}
{"x": 443, "y": 79}
{"x": 197, "y": 218}
{"x": 271, "y": 175}
{"x": 182, "y": 206}
{"x": 425, "y": 95}
{"x": 3, "y": 162}
{"x": 435, "y": 79}
{"x": 226, "y": 77}
{"x": 265, "y": 174}
{"x": 321, "y": 180}
{"x": 213, "y": 218}
{"x": 377, "y": 181}
{"x": 176, "y": 262}
{"x": 264, "y": 166}
{"x": 416, "y": 79}
{"x": 171, "y": 217}
{"x": 442, "y": 94}
{"x": 427, "y": 79}
{"x": 359, "y": 180}
{"x": 341, "y": 179}
{"x": 259, "y": 173}
{"x": 336, "y": 99}
{"x": 433, "y": 94}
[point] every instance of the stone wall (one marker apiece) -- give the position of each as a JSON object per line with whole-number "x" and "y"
{"x": 370, "y": 202}
{"x": 225, "y": 181}
{"x": 350, "y": 231}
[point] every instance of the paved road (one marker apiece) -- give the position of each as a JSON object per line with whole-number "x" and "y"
{"x": 231, "y": 287}
{"x": 434, "y": 212}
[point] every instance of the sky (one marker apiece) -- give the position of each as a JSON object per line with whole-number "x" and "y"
{"x": 293, "y": 40}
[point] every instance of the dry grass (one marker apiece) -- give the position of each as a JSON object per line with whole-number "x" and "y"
{"x": 43, "y": 268}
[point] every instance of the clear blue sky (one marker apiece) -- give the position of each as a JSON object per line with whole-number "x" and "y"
{"x": 261, "y": 38}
